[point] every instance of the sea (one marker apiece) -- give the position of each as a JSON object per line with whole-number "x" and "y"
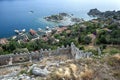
{"x": 29, "y": 14}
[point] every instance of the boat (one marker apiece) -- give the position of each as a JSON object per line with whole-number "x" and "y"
{"x": 39, "y": 29}
{"x": 23, "y": 30}
{"x": 47, "y": 28}
{"x": 19, "y": 31}
{"x": 16, "y": 31}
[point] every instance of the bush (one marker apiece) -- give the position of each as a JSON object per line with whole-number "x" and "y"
{"x": 114, "y": 51}
{"x": 20, "y": 50}
{"x": 87, "y": 40}
{"x": 95, "y": 52}
{"x": 81, "y": 47}
{"x": 111, "y": 50}
{"x": 23, "y": 71}
{"x": 102, "y": 46}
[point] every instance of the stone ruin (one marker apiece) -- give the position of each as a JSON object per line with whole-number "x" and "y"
{"x": 77, "y": 54}
{"x": 71, "y": 51}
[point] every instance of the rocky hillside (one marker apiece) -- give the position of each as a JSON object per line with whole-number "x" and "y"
{"x": 105, "y": 67}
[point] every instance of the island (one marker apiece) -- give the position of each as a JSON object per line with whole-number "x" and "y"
{"x": 57, "y": 17}
{"x": 63, "y": 17}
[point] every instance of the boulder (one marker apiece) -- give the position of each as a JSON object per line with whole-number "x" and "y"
{"x": 40, "y": 72}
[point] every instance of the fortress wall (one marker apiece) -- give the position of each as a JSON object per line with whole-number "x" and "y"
{"x": 4, "y": 60}
{"x": 71, "y": 51}
{"x": 77, "y": 54}
{"x": 63, "y": 51}
{"x": 23, "y": 57}
{"x": 34, "y": 55}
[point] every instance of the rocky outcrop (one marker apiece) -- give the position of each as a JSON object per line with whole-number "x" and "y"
{"x": 40, "y": 72}
{"x": 94, "y": 12}
{"x": 64, "y": 14}
{"x": 107, "y": 14}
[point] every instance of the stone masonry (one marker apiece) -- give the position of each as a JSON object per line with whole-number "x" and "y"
{"x": 71, "y": 51}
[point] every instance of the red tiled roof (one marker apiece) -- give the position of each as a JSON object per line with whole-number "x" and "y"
{"x": 33, "y": 32}
{"x": 61, "y": 29}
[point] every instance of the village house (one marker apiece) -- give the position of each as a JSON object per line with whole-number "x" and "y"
{"x": 94, "y": 21}
{"x": 68, "y": 31}
{"x": 61, "y": 29}
{"x": 32, "y": 32}
{"x": 45, "y": 38}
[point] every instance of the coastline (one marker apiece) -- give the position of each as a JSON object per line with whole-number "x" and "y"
{"x": 51, "y": 24}
{"x": 37, "y": 22}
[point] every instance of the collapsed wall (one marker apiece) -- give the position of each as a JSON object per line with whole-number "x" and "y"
{"x": 71, "y": 51}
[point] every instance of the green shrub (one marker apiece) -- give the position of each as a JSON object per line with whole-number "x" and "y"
{"x": 81, "y": 47}
{"x": 87, "y": 40}
{"x": 102, "y": 46}
{"x": 114, "y": 51}
{"x": 23, "y": 72}
{"x": 95, "y": 52}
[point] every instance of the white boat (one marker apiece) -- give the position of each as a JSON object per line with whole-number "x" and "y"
{"x": 47, "y": 28}
{"x": 19, "y": 31}
{"x": 16, "y": 31}
{"x": 39, "y": 29}
{"x": 23, "y": 30}
{"x": 49, "y": 31}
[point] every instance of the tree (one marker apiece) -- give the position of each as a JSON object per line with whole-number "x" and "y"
{"x": 87, "y": 40}
{"x": 102, "y": 39}
{"x": 80, "y": 38}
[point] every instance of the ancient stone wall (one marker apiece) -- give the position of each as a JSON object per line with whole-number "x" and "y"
{"x": 77, "y": 54}
{"x": 71, "y": 51}
{"x": 63, "y": 51}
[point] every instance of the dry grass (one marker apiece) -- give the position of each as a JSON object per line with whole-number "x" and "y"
{"x": 83, "y": 69}
{"x": 117, "y": 57}
{"x": 104, "y": 68}
{"x": 73, "y": 68}
{"x": 87, "y": 74}
{"x": 67, "y": 72}
{"x": 71, "y": 72}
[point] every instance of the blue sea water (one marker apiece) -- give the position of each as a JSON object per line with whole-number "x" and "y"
{"x": 15, "y": 14}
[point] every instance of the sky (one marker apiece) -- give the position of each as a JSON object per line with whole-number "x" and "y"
{"x": 104, "y": 4}
{"x": 96, "y": 1}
